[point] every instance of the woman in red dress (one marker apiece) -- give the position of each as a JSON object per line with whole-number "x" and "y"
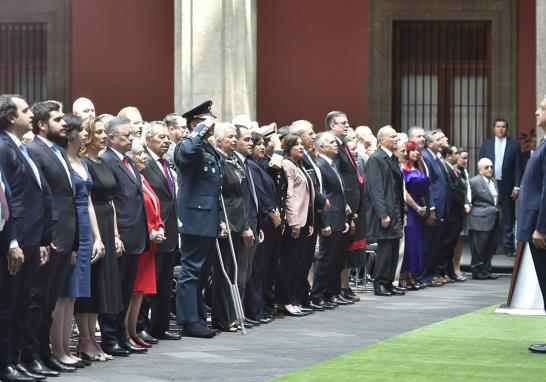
{"x": 145, "y": 278}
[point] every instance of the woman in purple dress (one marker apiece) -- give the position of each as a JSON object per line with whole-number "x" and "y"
{"x": 417, "y": 184}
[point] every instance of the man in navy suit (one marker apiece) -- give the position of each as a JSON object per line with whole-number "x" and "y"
{"x": 438, "y": 205}
{"x": 333, "y": 225}
{"x": 52, "y": 162}
{"x": 31, "y": 215}
{"x": 132, "y": 227}
{"x": 11, "y": 259}
{"x": 198, "y": 207}
{"x": 505, "y": 153}
{"x": 532, "y": 211}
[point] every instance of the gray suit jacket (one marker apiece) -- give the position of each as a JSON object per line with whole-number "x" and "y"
{"x": 485, "y": 212}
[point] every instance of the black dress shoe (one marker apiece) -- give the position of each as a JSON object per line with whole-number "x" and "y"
{"x": 348, "y": 301}
{"x": 381, "y": 290}
{"x": 170, "y": 336}
{"x": 77, "y": 365}
{"x": 324, "y": 305}
{"x": 147, "y": 337}
{"x": 306, "y": 310}
{"x": 10, "y": 373}
{"x": 314, "y": 307}
{"x": 292, "y": 314}
{"x": 56, "y": 365}
{"x": 336, "y": 301}
{"x": 461, "y": 279}
{"x": 131, "y": 348}
{"x": 396, "y": 291}
{"x": 197, "y": 330}
{"x": 479, "y": 276}
{"x": 22, "y": 369}
{"x": 252, "y": 322}
{"x": 265, "y": 320}
{"x": 491, "y": 276}
{"x": 36, "y": 366}
{"x": 538, "y": 348}
{"x": 115, "y": 350}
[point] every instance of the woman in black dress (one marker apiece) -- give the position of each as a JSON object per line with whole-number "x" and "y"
{"x": 223, "y": 313}
{"x": 105, "y": 281}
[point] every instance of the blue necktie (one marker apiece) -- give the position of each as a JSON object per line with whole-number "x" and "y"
{"x": 30, "y": 162}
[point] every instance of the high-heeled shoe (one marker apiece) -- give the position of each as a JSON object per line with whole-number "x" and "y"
{"x": 95, "y": 358}
{"x": 140, "y": 342}
{"x": 291, "y": 311}
{"x": 230, "y": 328}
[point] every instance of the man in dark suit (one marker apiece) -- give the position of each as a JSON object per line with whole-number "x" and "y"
{"x": 11, "y": 259}
{"x": 505, "y": 153}
{"x": 455, "y": 215}
{"x": 304, "y": 129}
{"x": 438, "y": 205}
{"x": 532, "y": 211}
{"x": 31, "y": 215}
{"x": 132, "y": 228}
{"x": 483, "y": 224}
{"x": 198, "y": 206}
{"x": 336, "y": 122}
{"x": 384, "y": 210}
{"x": 333, "y": 226}
{"x": 245, "y": 257}
{"x": 52, "y": 162}
{"x": 159, "y": 175}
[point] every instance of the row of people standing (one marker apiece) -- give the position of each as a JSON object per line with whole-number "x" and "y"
{"x": 93, "y": 235}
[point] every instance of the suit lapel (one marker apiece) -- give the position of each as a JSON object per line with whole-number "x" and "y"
{"x": 20, "y": 155}
{"x": 159, "y": 172}
{"x": 486, "y": 189}
{"x": 120, "y": 164}
{"x": 49, "y": 152}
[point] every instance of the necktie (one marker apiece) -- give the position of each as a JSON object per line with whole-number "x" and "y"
{"x": 167, "y": 173}
{"x": 360, "y": 180}
{"x": 128, "y": 166}
{"x": 31, "y": 163}
{"x": 338, "y": 175}
{"x": 57, "y": 150}
{"x": 4, "y": 213}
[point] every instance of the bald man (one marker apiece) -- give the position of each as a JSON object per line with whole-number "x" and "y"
{"x": 83, "y": 107}
{"x": 483, "y": 220}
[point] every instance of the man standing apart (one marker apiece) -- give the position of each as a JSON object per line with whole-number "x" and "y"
{"x": 483, "y": 219}
{"x": 505, "y": 154}
{"x": 532, "y": 207}
{"x": 198, "y": 206}
{"x": 384, "y": 210}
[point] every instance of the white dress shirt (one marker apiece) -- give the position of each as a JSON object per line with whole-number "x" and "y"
{"x": 500, "y": 146}
{"x": 492, "y": 188}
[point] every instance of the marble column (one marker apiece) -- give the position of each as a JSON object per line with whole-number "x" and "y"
{"x": 215, "y": 56}
{"x": 540, "y": 55}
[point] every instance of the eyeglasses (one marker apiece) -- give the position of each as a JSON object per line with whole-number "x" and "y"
{"x": 486, "y": 167}
{"x": 344, "y": 123}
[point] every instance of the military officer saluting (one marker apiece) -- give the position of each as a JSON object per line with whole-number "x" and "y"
{"x": 198, "y": 166}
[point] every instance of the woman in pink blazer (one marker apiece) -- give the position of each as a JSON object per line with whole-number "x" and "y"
{"x": 299, "y": 223}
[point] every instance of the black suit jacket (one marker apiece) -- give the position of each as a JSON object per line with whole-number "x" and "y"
{"x": 7, "y": 234}
{"x": 335, "y": 216}
{"x": 167, "y": 199}
{"x": 65, "y": 232}
{"x": 251, "y": 209}
{"x": 320, "y": 199}
{"x": 345, "y": 166}
{"x": 384, "y": 197}
{"x": 512, "y": 169}
{"x": 31, "y": 211}
{"x": 129, "y": 203}
{"x": 232, "y": 193}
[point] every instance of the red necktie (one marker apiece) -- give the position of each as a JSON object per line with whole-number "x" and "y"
{"x": 126, "y": 163}
{"x": 360, "y": 180}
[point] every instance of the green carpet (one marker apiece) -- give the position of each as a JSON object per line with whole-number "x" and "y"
{"x": 479, "y": 346}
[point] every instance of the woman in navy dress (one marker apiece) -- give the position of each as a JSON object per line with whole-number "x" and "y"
{"x": 78, "y": 282}
{"x": 417, "y": 184}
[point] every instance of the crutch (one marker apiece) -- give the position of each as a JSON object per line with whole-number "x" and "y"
{"x": 233, "y": 288}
